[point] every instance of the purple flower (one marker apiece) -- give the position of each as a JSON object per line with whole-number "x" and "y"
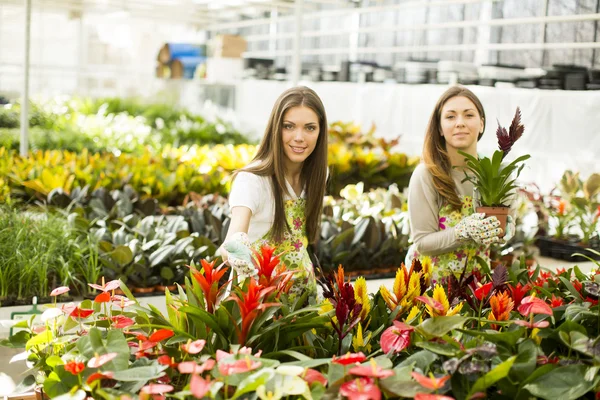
{"x": 297, "y": 245}
{"x": 442, "y": 220}
{"x": 297, "y": 223}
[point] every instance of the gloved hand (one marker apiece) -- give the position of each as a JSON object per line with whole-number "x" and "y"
{"x": 479, "y": 229}
{"x": 239, "y": 255}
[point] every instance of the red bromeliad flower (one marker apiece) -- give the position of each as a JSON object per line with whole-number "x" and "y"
{"x": 533, "y": 305}
{"x": 361, "y": 389}
{"x": 501, "y": 305}
{"x": 251, "y": 304}
{"x": 518, "y": 292}
{"x": 266, "y": 264}
{"x": 396, "y": 338}
{"x": 74, "y": 367}
{"x": 349, "y": 358}
{"x": 556, "y": 301}
{"x": 372, "y": 371}
{"x": 208, "y": 280}
{"x": 430, "y": 382}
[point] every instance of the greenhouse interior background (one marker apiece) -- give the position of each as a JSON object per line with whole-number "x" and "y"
{"x": 123, "y": 121}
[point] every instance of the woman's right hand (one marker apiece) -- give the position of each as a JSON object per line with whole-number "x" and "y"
{"x": 476, "y": 227}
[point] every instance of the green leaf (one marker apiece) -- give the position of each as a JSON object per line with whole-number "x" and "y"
{"x": 526, "y": 361}
{"x": 565, "y": 383}
{"x": 161, "y": 254}
{"x": 444, "y": 349}
{"x": 204, "y": 316}
{"x": 122, "y": 255}
{"x": 140, "y": 373}
{"x": 41, "y": 339}
{"x": 422, "y": 360}
{"x": 499, "y": 372}
{"x": 570, "y": 287}
{"x": 53, "y": 361}
{"x": 508, "y": 337}
{"x": 401, "y": 384}
{"x": 309, "y": 363}
{"x": 439, "y": 326}
{"x": 253, "y": 381}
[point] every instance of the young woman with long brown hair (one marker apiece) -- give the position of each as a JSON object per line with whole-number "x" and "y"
{"x": 278, "y": 198}
{"x": 444, "y": 227}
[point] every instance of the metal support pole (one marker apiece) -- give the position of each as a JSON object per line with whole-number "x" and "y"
{"x": 484, "y": 34}
{"x": 595, "y": 33}
{"x": 544, "y": 34}
{"x": 24, "y": 147}
{"x": 297, "y": 57}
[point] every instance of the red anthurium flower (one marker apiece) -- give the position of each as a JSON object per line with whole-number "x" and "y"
{"x": 431, "y": 302}
{"x": 361, "y": 389}
{"x": 556, "y": 301}
{"x": 81, "y": 313}
{"x": 190, "y": 367}
{"x": 372, "y": 371}
{"x": 103, "y": 297}
{"x": 428, "y": 396}
{"x": 250, "y": 303}
{"x": 161, "y": 335}
{"x": 59, "y": 290}
{"x": 349, "y": 358}
{"x": 109, "y": 286}
{"x": 482, "y": 291}
{"x": 74, "y": 367}
{"x": 239, "y": 366}
{"x": 156, "y": 389}
{"x": 166, "y": 360}
{"x": 121, "y": 321}
{"x": 430, "y": 382}
{"x": 312, "y": 375}
{"x": 148, "y": 344}
{"x": 200, "y": 386}
{"x": 208, "y": 280}
{"x": 518, "y": 292}
{"x": 396, "y": 338}
{"x": 533, "y": 305}
{"x": 99, "y": 361}
{"x": 194, "y": 347}
{"x": 531, "y": 325}
{"x": 541, "y": 360}
{"x": 99, "y": 376}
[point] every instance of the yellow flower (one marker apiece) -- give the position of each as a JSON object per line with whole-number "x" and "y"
{"x": 440, "y": 296}
{"x": 427, "y": 265}
{"x": 325, "y": 307}
{"x": 362, "y": 297}
{"x": 358, "y": 342}
{"x": 412, "y": 314}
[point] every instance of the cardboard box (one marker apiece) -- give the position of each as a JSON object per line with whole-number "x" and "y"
{"x": 228, "y": 46}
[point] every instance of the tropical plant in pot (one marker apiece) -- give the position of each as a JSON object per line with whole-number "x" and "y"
{"x": 493, "y": 181}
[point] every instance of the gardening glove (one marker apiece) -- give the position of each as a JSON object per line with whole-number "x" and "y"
{"x": 239, "y": 255}
{"x": 510, "y": 229}
{"x": 476, "y": 227}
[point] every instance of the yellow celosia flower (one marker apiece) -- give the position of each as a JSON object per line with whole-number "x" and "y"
{"x": 440, "y": 296}
{"x": 362, "y": 297}
{"x": 358, "y": 341}
{"x": 427, "y": 265}
{"x": 412, "y": 314}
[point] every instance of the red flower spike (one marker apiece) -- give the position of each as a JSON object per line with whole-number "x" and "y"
{"x": 103, "y": 297}
{"x": 504, "y": 142}
{"x": 518, "y": 292}
{"x": 361, "y": 389}
{"x": 516, "y": 129}
{"x": 430, "y": 382}
{"x": 74, "y": 367}
{"x": 349, "y": 358}
{"x": 208, "y": 280}
{"x": 161, "y": 335}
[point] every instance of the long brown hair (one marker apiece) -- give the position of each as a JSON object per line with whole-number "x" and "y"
{"x": 270, "y": 162}
{"x": 435, "y": 154}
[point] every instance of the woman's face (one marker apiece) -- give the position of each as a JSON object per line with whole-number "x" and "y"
{"x": 300, "y": 132}
{"x": 461, "y": 124}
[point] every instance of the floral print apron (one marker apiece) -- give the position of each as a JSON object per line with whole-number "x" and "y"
{"x": 443, "y": 265}
{"x": 294, "y": 244}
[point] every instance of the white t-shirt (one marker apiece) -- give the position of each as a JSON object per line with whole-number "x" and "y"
{"x": 255, "y": 192}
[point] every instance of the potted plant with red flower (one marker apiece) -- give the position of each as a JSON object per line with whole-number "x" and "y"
{"x": 494, "y": 181}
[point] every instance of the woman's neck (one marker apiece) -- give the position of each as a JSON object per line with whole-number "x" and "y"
{"x": 457, "y": 160}
{"x": 293, "y": 173}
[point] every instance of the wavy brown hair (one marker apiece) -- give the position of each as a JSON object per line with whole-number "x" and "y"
{"x": 269, "y": 161}
{"x": 435, "y": 155}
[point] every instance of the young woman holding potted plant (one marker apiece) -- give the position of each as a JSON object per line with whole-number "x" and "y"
{"x": 444, "y": 224}
{"x": 278, "y": 198}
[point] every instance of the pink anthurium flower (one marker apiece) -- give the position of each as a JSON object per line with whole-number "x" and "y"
{"x": 531, "y": 324}
{"x": 428, "y": 396}
{"x": 372, "y": 371}
{"x": 121, "y": 322}
{"x": 200, "y": 386}
{"x": 238, "y": 367}
{"x": 361, "y": 389}
{"x": 154, "y": 388}
{"x": 59, "y": 290}
{"x": 190, "y": 367}
{"x": 533, "y": 305}
{"x": 396, "y": 338}
{"x": 194, "y": 347}
{"x": 349, "y": 358}
{"x": 98, "y": 361}
{"x": 312, "y": 375}
{"x": 431, "y": 302}
{"x": 106, "y": 287}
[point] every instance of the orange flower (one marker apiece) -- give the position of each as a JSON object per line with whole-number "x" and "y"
{"x": 430, "y": 382}
{"x": 250, "y": 304}
{"x": 562, "y": 205}
{"x": 208, "y": 280}
{"x": 74, "y": 367}
{"x": 502, "y": 305}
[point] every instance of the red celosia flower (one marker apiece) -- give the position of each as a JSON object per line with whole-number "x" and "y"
{"x": 194, "y": 347}
{"x": 59, "y": 290}
{"x": 250, "y": 303}
{"x": 518, "y": 292}
{"x": 482, "y": 291}
{"x": 372, "y": 371}
{"x": 312, "y": 375}
{"x": 74, "y": 367}
{"x": 161, "y": 335}
{"x": 349, "y": 358}
{"x": 556, "y": 301}
{"x": 361, "y": 389}
{"x": 103, "y": 297}
{"x": 98, "y": 361}
{"x": 534, "y": 305}
{"x": 239, "y": 366}
{"x": 208, "y": 280}
{"x": 430, "y": 382}
{"x": 396, "y": 338}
